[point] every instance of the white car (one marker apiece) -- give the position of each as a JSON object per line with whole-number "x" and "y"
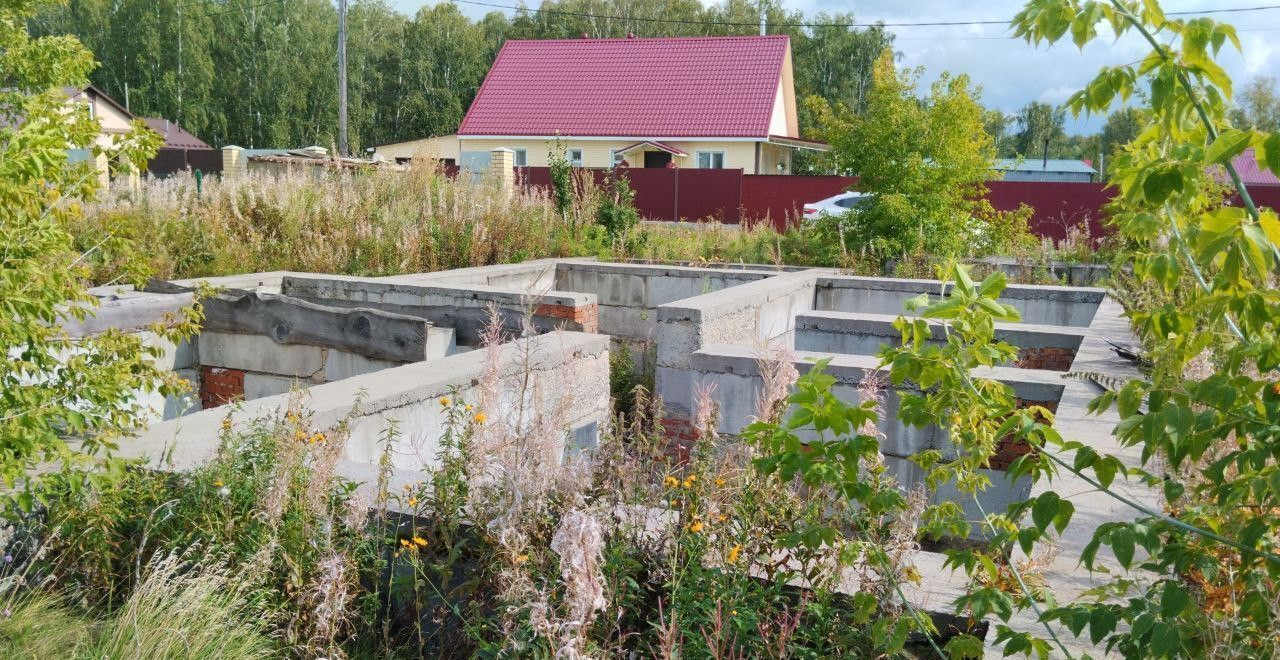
{"x": 834, "y": 205}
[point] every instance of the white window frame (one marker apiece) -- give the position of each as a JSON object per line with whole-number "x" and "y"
{"x": 521, "y": 157}
{"x": 711, "y": 159}
{"x": 576, "y": 162}
{"x": 615, "y": 158}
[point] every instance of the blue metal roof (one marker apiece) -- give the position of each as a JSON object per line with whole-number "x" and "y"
{"x": 1039, "y": 165}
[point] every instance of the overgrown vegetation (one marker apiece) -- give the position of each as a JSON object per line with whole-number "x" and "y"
{"x": 924, "y": 163}
{"x": 54, "y": 386}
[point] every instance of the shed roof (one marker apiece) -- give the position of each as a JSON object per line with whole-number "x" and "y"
{"x": 1039, "y": 165}
{"x": 693, "y": 87}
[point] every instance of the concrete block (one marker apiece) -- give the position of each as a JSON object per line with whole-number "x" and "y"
{"x": 341, "y": 364}
{"x": 260, "y": 354}
{"x": 174, "y": 357}
{"x": 257, "y": 386}
{"x": 441, "y": 342}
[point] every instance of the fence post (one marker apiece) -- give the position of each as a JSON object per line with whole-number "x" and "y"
{"x": 502, "y": 164}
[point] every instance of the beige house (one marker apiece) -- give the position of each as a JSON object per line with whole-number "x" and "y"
{"x": 113, "y": 119}
{"x": 700, "y": 102}
{"x": 443, "y": 148}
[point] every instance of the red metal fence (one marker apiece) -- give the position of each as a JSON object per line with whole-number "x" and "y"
{"x": 730, "y": 196}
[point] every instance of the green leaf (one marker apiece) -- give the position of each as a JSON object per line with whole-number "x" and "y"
{"x": 1173, "y": 599}
{"x": 1121, "y": 539}
{"x": 1045, "y": 509}
{"x": 1230, "y": 143}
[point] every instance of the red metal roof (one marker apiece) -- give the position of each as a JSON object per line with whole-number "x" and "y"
{"x": 175, "y": 136}
{"x": 1246, "y": 165}
{"x": 647, "y": 88}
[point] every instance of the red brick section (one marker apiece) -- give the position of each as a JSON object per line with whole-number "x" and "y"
{"x": 585, "y": 316}
{"x": 681, "y": 437}
{"x": 1009, "y": 450}
{"x": 219, "y": 386}
{"x": 1053, "y": 359}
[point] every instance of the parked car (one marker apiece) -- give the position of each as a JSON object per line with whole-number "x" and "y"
{"x": 836, "y": 205}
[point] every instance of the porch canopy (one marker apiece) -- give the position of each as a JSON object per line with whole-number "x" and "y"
{"x": 651, "y": 144}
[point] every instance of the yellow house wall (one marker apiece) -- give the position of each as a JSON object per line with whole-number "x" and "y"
{"x": 596, "y": 153}
{"x": 442, "y": 147}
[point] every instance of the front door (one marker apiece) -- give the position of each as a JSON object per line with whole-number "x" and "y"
{"x": 656, "y": 158}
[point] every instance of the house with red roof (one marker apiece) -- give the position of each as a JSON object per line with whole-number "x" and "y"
{"x": 700, "y": 102}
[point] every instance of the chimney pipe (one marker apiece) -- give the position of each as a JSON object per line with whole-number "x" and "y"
{"x": 1045, "y": 164}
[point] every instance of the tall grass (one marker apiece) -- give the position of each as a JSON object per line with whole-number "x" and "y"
{"x": 378, "y": 223}
{"x": 178, "y": 610}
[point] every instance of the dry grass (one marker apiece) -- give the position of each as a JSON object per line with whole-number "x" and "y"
{"x": 373, "y": 224}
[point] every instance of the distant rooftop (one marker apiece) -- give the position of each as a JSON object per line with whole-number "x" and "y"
{"x": 175, "y": 136}
{"x": 1040, "y": 165}
{"x": 1251, "y": 174}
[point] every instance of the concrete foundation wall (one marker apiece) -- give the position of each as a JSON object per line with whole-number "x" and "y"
{"x": 463, "y": 308}
{"x": 1043, "y": 305}
{"x": 865, "y": 334}
{"x": 733, "y": 372}
{"x": 628, "y": 294}
{"x": 568, "y": 369}
{"x": 749, "y": 315}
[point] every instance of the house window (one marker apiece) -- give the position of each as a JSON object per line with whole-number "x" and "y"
{"x": 615, "y": 157}
{"x": 710, "y": 159}
{"x": 522, "y": 157}
{"x": 575, "y": 157}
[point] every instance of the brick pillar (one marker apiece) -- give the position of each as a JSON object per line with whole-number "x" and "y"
{"x": 502, "y": 167}
{"x": 235, "y": 163}
{"x": 219, "y": 386}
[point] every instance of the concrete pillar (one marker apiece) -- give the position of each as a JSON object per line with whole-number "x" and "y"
{"x": 235, "y": 163}
{"x": 502, "y": 167}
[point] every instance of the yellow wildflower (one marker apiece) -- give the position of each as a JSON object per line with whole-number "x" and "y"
{"x": 721, "y": 518}
{"x": 480, "y": 417}
{"x": 413, "y": 501}
{"x": 218, "y": 483}
{"x": 406, "y": 543}
{"x": 317, "y": 437}
{"x": 910, "y": 574}
{"x": 522, "y": 558}
{"x": 299, "y": 435}
{"x": 468, "y": 407}
{"x": 734, "y": 552}
{"x": 720, "y": 482}
{"x": 688, "y": 481}
{"x": 421, "y": 542}
{"x": 226, "y": 423}
{"x": 444, "y": 401}
{"x": 696, "y": 526}
{"x": 670, "y": 482}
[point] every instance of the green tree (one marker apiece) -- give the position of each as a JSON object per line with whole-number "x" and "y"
{"x": 1038, "y": 124}
{"x": 1121, "y": 128}
{"x": 924, "y": 161}
{"x": 1258, "y": 105}
{"x": 53, "y": 387}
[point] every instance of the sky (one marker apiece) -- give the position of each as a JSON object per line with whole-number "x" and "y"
{"x": 1011, "y": 72}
